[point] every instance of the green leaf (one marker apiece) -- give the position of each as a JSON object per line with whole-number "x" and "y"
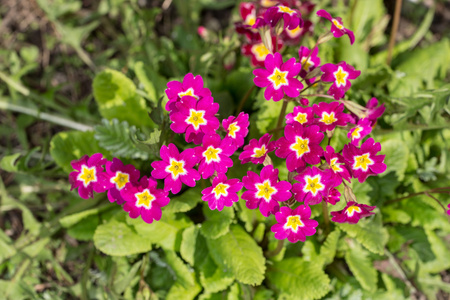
{"x": 117, "y": 98}
{"x": 7, "y": 249}
{"x": 8, "y": 162}
{"x": 214, "y": 278}
{"x": 116, "y": 137}
{"x": 184, "y": 202}
{"x": 328, "y": 249}
{"x": 73, "y": 219}
{"x": 153, "y": 83}
{"x": 193, "y": 247}
{"x": 397, "y": 154}
{"x": 238, "y": 252}
{"x": 217, "y": 222}
{"x": 84, "y": 231}
{"x": 71, "y": 145}
{"x": 179, "y": 291}
{"x": 250, "y": 217}
{"x": 369, "y": 232}
{"x": 119, "y": 239}
{"x": 441, "y": 251}
{"x": 362, "y": 267}
{"x": 299, "y": 278}
{"x": 182, "y": 273}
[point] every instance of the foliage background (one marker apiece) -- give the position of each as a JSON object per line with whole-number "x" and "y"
{"x": 65, "y": 67}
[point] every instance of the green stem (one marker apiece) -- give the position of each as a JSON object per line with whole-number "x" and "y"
{"x": 281, "y": 117}
{"x": 244, "y": 99}
{"x": 276, "y": 250}
{"x": 441, "y": 190}
{"x": 394, "y": 29}
{"x": 326, "y": 217}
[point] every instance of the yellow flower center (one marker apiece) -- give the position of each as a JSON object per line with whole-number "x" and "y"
{"x": 221, "y": 189}
{"x": 334, "y": 166}
{"x": 328, "y": 118}
{"x": 232, "y": 129}
{"x": 121, "y": 179}
{"x": 293, "y": 33}
{"x": 260, "y": 51}
{"x": 301, "y": 118}
{"x": 294, "y": 222}
{"x": 212, "y": 154}
{"x": 356, "y": 134}
{"x": 144, "y": 199}
{"x": 250, "y": 20}
{"x": 337, "y": 24}
{"x": 176, "y": 168}
{"x": 196, "y": 118}
{"x": 301, "y": 146}
{"x": 269, "y": 3}
{"x": 352, "y": 209}
{"x": 307, "y": 64}
{"x": 313, "y": 184}
{"x": 188, "y": 92}
{"x": 278, "y": 78}
{"x": 265, "y": 190}
{"x": 87, "y": 175}
{"x": 362, "y": 162}
{"x": 285, "y": 9}
{"x": 341, "y": 76}
{"x": 259, "y": 152}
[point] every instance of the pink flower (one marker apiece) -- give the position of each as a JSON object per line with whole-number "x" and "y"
{"x": 310, "y": 64}
{"x": 119, "y": 175}
{"x": 372, "y": 112}
{"x": 265, "y": 191}
{"x": 330, "y": 115}
{"x": 214, "y": 155}
{"x": 257, "y": 150}
{"x": 195, "y": 118}
{"x": 361, "y": 130}
{"x": 339, "y": 169}
{"x": 248, "y": 13}
{"x": 278, "y": 77}
{"x": 302, "y": 115}
{"x": 144, "y": 199}
{"x": 258, "y": 52}
{"x": 191, "y": 86}
{"x": 363, "y": 161}
{"x": 300, "y": 145}
{"x": 291, "y": 17}
{"x": 352, "y": 213}
{"x": 293, "y": 36}
{"x": 223, "y": 192}
{"x": 313, "y": 185}
{"x": 333, "y": 196}
{"x": 295, "y": 225}
{"x": 236, "y": 128}
{"x": 176, "y": 168}
{"x": 340, "y": 76}
{"x": 337, "y": 28}
{"x": 89, "y": 176}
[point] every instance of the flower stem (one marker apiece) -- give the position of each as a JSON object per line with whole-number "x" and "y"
{"x": 394, "y": 29}
{"x": 281, "y": 117}
{"x": 277, "y": 250}
{"x": 244, "y": 99}
{"x": 441, "y": 190}
{"x": 326, "y": 217}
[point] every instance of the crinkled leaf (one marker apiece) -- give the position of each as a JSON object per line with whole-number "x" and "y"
{"x": 182, "y": 273}
{"x": 193, "y": 247}
{"x": 362, "y": 267}
{"x": 328, "y": 249}
{"x": 217, "y": 222}
{"x": 397, "y": 154}
{"x": 184, "y": 202}
{"x": 214, "y": 278}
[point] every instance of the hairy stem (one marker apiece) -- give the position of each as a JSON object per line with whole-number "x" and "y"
{"x": 394, "y": 29}
{"x": 277, "y": 250}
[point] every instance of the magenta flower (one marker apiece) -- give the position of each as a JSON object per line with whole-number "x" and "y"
{"x": 333, "y": 196}
{"x": 291, "y": 17}
{"x": 195, "y": 118}
{"x": 119, "y": 175}
{"x": 214, "y": 155}
{"x": 337, "y": 28}
{"x": 144, "y": 199}
{"x": 302, "y": 115}
{"x": 223, "y": 192}
{"x": 265, "y": 191}
{"x": 330, "y": 115}
{"x": 258, "y": 52}
{"x": 257, "y": 150}
{"x": 363, "y": 161}
{"x": 340, "y": 76}
{"x": 248, "y": 13}
{"x": 191, "y": 86}
{"x": 352, "y": 213}
{"x": 448, "y": 211}
{"x": 300, "y": 145}
{"x": 292, "y": 36}
{"x": 236, "y": 128}
{"x": 89, "y": 176}
{"x": 310, "y": 64}
{"x": 176, "y": 168}
{"x": 361, "y": 130}
{"x": 313, "y": 185}
{"x": 372, "y": 112}
{"x": 295, "y": 225}
{"x": 338, "y": 167}
{"x": 278, "y": 77}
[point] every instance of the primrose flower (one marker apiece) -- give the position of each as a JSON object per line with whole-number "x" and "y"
{"x": 300, "y": 145}
{"x": 363, "y": 161}
{"x": 337, "y": 28}
{"x": 291, "y": 17}
{"x": 236, "y": 128}
{"x": 119, "y": 175}
{"x": 248, "y": 13}
{"x": 302, "y": 115}
{"x": 257, "y": 150}
{"x": 214, "y": 155}
{"x": 258, "y": 52}
{"x": 310, "y": 64}
{"x": 338, "y": 167}
{"x": 352, "y": 213}
{"x": 330, "y": 115}
{"x": 89, "y": 176}
{"x": 333, "y": 196}
{"x": 223, "y": 192}
{"x": 340, "y": 76}
{"x": 361, "y": 130}
{"x": 144, "y": 199}
{"x": 195, "y": 118}
{"x": 373, "y": 111}
{"x": 278, "y": 77}
{"x": 265, "y": 191}
{"x": 176, "y": 168}
{"x": 294, "y": 224}
{"x": 191, "y": 86}
{"x": 313, "y": 185}
{"x": 292, "y": 36}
